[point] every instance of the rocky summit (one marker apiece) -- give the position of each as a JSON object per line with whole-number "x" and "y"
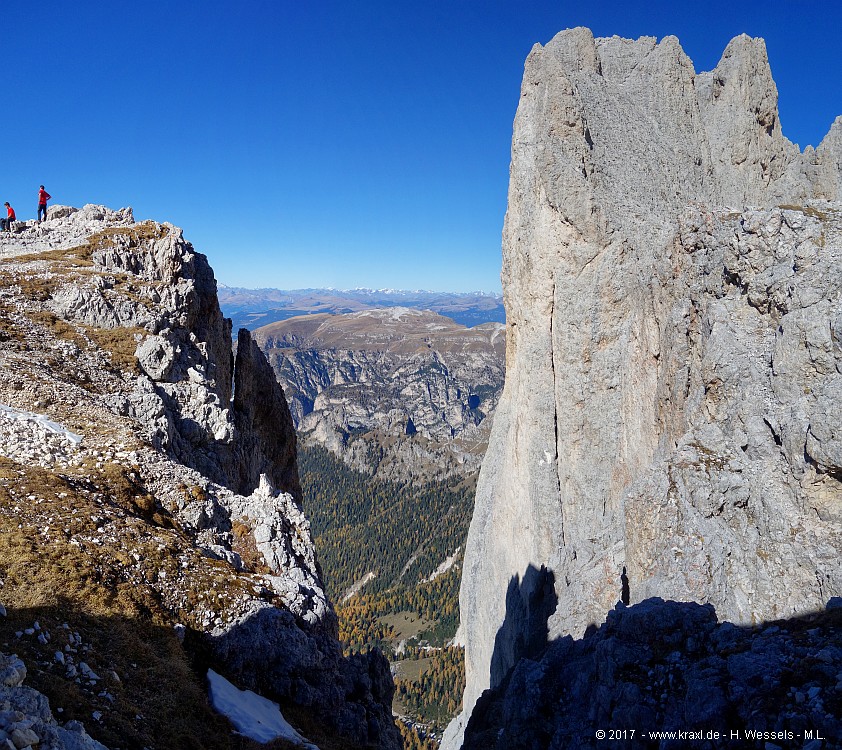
{"x": 672, "y": 274}
{"x": 151, "y": 523}
{"x": 399, "y": 391}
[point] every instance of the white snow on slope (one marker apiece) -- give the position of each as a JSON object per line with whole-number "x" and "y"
{"x": 251, "y": 714}
{"x": 41, "y": 420}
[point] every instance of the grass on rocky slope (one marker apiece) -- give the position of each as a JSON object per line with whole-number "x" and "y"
{"x": 121, "y": 344}
{"x": 151, "y": 691}
{"x": 81, "y": 255}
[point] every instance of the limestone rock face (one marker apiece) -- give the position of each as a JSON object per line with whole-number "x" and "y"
{"x": 148, "y": 282}
{"x": 118, "y": 387}
{"x": 827, "y": 168}
{"x": 673, "y": 356}
{"x": 739, "y": 107}
{"x": 262, "y": 414}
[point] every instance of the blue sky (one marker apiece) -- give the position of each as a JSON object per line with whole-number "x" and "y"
{"x": 332, "y": 143}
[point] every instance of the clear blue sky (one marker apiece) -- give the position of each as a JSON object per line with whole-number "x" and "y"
{"x": 340, "y": 144}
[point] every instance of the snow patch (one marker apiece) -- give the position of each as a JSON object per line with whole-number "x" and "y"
{"x": 390, "y": 313}
{"x": 251, "y": 714}
{"x": 43, "y": 420}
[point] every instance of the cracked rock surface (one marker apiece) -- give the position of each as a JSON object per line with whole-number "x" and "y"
{"x": 672, "y": 274}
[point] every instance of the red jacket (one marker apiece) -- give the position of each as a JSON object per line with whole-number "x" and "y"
{"x": 43, "y": 197}
{"x": 11, "y": 213}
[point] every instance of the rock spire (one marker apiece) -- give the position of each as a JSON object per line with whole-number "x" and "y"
{"x": 671, "y": 273}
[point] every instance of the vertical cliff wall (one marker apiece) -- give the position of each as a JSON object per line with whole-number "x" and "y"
{"x": 673, "y": 358}
{"x": 268, "y": 442}
{"x": 151, "y": 280}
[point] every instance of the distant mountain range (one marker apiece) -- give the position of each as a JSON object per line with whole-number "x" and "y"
{"x": 402, "y": 389}
{"x": 253, "y": 308}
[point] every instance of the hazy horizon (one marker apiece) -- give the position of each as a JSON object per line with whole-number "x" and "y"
{"x": 384, "y": 290}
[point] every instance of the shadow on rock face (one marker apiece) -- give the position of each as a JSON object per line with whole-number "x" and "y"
{"x": 134, "y": 682}
{"x": 524, "y": 633}
{"x": 302, "y": 666}
{"x": 127, "y": 679}
{"x": 669, "y": 666}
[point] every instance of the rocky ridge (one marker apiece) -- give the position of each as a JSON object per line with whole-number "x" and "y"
{"x": 131, "y": 445}
{"x": 671, "y": 274}
{"x": 401, "y": 391}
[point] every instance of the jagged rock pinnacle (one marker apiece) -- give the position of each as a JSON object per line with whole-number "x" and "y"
{"x": 673, "y": 354}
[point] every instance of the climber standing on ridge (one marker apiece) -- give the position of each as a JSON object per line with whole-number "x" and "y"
{"x": 10, "y": 217}
{"x": 43, "y": 197}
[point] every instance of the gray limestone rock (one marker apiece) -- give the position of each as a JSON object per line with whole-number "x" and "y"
{"x": 264, "y": 425}
{"x": 25, "y": 716}
{"x": 151, "y": 284}
{"x": 12, "y": 671}
{"x": 156, "y": 356}
{"x": 826, "y": 164}
{"x": 666, "y": 427}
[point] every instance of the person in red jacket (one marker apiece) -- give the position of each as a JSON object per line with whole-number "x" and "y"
{"x": 43, "y": 197}
{"x": 10, "y": 217}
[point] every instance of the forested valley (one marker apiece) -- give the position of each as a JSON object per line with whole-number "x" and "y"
{"x": 405, "y": 542}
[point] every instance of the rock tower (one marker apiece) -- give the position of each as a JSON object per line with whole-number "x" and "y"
{"x": 672, "y": 273}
